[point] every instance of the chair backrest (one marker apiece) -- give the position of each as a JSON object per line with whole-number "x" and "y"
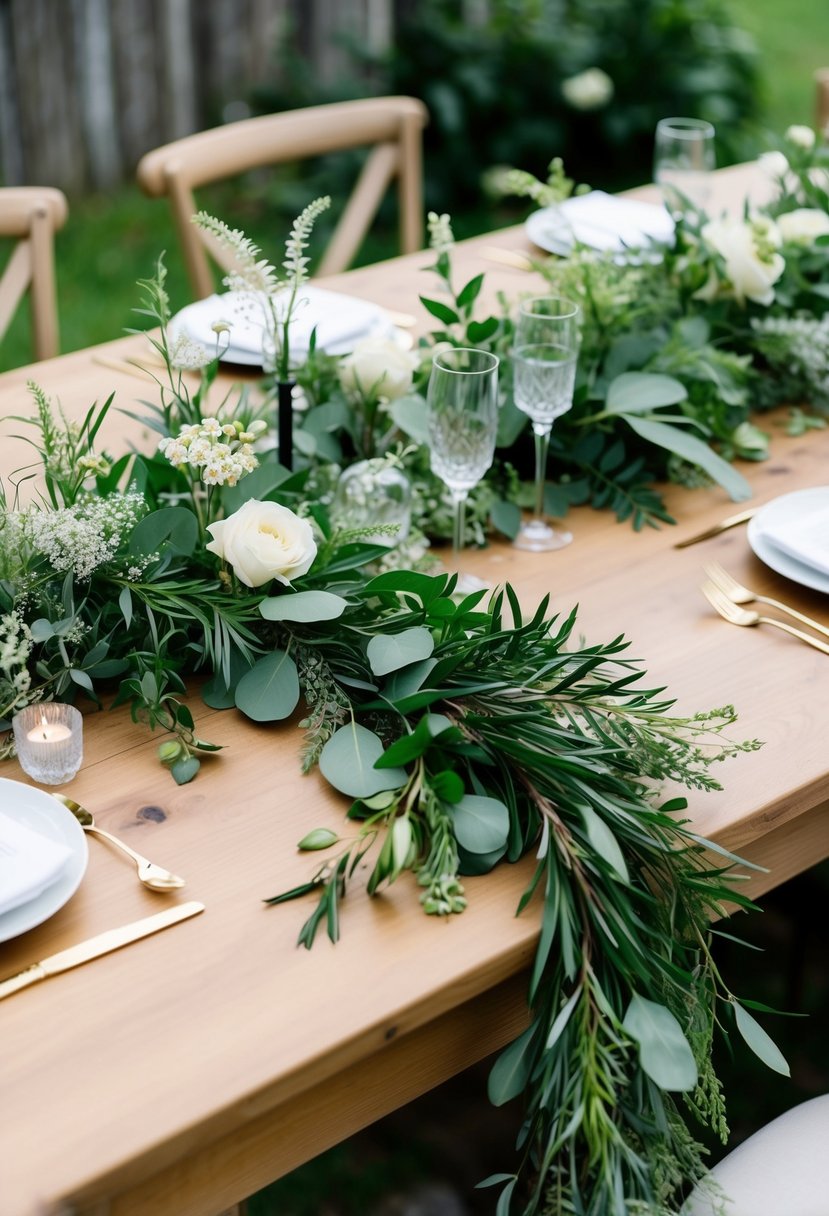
{"x": 822, "y": 99}
{"x": 394, "y": 125}
{"x": 31, "y": 215}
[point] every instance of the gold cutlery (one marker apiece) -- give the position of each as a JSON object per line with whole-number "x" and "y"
{"x": 112, "y": 939}
{"x": 507, "y": 257}
{"x": 742, "y": 517}
{"x": 403, "y": 320}
{"x": 153, "y": 876}
{"x": 738, "y": 594}
{"x": 732, "y": 612}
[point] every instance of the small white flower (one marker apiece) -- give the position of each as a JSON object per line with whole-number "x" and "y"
{"x": 801, "y": 137}
{"x": 211, "y": 426}
{"x": 588, "y": 90}
{"x": 187, "y": 355}
{"x": 441, "y": 238}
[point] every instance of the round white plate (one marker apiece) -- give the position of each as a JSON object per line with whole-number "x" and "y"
{"x": 340, "y": 321}
{"x": 42, "y": 813}
{"x": 777, "y": 513}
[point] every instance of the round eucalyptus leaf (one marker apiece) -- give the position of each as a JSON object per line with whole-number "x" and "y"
{"x": 390, "y": 652}
{"x": 270, "y": 690}
{"x": 481, "y": 824}
{"x": 347, "y": 762}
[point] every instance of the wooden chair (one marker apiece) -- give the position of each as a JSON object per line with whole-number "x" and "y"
{"x": 32, "y": 215}
{"x": 822, "y": 99}
{"x": 782, "y": 1170}
{"x": 393, "y": 125}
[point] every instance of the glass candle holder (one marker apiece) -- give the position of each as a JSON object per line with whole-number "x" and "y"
{"x": 48, "y": 738}
{"x": 375, "y": 492}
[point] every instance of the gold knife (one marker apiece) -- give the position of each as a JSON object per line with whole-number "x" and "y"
{"x": 742, "y": 517}
{"x": 112, "y": 939}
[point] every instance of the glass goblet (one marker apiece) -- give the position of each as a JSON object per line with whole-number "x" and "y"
{"x": 544, "y": 358}
{"x": 462, "y": 421}
{"x": 684, "y": 158}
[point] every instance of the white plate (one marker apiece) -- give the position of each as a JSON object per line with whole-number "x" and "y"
{"x": 340, "y": 321}
{"x": 42, "y": 813}
{"x": 602, "y": 221}
{"x": 777, "y": 513}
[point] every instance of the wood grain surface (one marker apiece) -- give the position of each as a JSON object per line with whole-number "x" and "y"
{"x": 182, "y": 1073}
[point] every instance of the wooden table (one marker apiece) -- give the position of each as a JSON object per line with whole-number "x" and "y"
{"x": 187, "y": 1071}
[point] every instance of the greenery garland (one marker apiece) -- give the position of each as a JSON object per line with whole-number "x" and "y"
{"x": 464, "y": 732}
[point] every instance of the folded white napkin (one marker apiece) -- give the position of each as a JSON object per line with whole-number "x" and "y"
{"x": 339, "y": 320}
{"x": 29, "y": 863}
{"x": 805, "y": 538}
{"x": 605, "y": 221}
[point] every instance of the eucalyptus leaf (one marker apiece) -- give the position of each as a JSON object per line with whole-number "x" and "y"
{"x": 664, "y": 1051}
{"x": 184, "y": 770}
{"x": 604, "y": 842}
{"x": 388, "y": 652}
{"x": 171, "y": 528}
{"x": 347, "y": 762}
{"x": 639, "y": 392}
{"x": 759, "y": 1041}
{"x": 480, "y": 824}
{"x": 511, "y": 1071}
{"x": 695, "y": 451}
{"x": 303, "y": 606}
{"x": 409, "y": 413}
{"x": 270, "y": 690}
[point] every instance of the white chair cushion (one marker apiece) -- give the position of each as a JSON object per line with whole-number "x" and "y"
{"x": 782, "y": 1170}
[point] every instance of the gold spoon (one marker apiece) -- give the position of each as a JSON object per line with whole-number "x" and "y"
{"x": 153, "y": 876}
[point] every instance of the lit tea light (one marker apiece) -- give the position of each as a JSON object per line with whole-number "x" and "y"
{"x": 48, "y": 739}
{"x": 48, "y": 732}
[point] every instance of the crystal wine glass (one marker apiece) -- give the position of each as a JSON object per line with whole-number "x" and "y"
{"x": 544, "y": 358}
{"x": 462, "y": 420}
{"x": 683, "y": 160}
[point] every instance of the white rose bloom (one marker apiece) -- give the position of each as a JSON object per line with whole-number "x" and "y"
{"x": 748, "y": 249}
{"x": 801, "y": 137}
{"x": 803, "y": 225}
{"x": 819, "y": 177}
{"x": 263, "y": 541}
{"x": 588, "y": 90}
{"x": 378, "y": 366}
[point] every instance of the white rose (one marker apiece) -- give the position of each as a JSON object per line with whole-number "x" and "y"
{"x": 378, "y": 367}
{"x": 803, "y": 225}
{"x": 748, "y": 248}
{"x": 801, "y": 137}
{"x": 263, "y": 541}
{"x": 589, "y": 90}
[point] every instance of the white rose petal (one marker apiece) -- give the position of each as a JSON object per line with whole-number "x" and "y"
{"x": 801, "y": 137}
{"x": 264, "y": 541}
{"x": 750, "y": 272}
{"x": 378, "y": 367}
{"x": 803, "y": 225}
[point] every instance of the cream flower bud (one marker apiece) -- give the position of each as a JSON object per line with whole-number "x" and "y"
{"x": 378, "y": 367}
{"x": 588, "y": 90}
{"x": 801, "y": 137}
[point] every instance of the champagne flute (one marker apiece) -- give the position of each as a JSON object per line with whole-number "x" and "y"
{"x": 683, "y": 159}
{"x": 544, "y": 366}
{"x": 462, "y": 421}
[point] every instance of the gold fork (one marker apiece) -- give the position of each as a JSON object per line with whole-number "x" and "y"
{"x": 738, "y": 594}
{"x": 742, "y": 616}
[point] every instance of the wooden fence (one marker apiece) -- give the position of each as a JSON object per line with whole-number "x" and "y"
{"x": 88, "y": 86}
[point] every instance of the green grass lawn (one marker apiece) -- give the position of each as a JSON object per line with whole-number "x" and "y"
{"x": 792, "y": 41}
